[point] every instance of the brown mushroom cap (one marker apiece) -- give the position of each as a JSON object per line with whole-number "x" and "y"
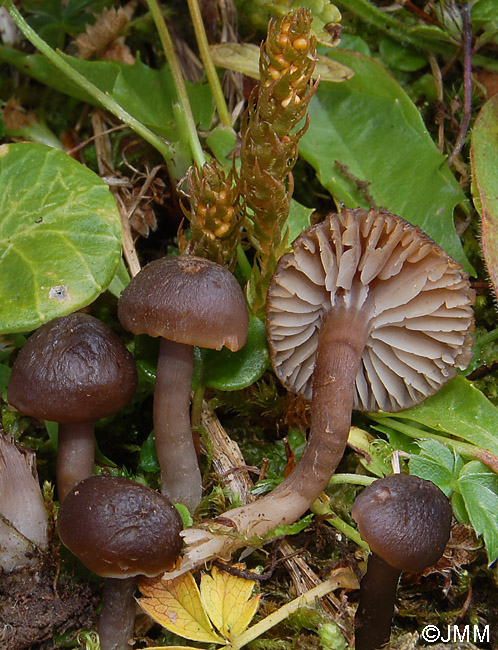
{"x": 73, "y": 369}
{"x": 186, "y": 299}
{"x": 416, "y": 299}
{"x": 119, "y": 528}
{"x": 405, "y": 520}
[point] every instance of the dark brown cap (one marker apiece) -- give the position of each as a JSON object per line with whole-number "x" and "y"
{"x": 119, "y": 528}
{"x": 373, "y": 267}
{"x": 186, "y": 299}
{"x": 73, "y": 369}
{"x": 405, "y": 520}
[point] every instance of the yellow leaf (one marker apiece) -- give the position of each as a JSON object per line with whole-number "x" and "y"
{"x": 174, "y": 647}
{"x": 227, "y": 601}
{"x": 176, "y": 605}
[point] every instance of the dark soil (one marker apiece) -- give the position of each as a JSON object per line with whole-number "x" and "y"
{"x": 34, "y": 607}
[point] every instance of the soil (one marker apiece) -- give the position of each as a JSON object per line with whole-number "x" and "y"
{"x": 35, "y": 606}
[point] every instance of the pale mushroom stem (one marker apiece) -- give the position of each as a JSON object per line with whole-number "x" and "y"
{"x": 181, "y": 479}
{"x": 75, "y": 455}
{"x": 117, "y": 620}
{"x": 376, "y": 607}
{"x": 341, "y": 342}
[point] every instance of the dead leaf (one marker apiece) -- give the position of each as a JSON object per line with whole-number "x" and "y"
{"x": 101, "y": 38}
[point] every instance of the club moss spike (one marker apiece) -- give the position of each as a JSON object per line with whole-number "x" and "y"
{"x": 215, "y": 214}
{"x": 269, "y": 141}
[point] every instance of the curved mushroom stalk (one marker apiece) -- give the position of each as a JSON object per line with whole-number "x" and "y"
{"x": 367, "y": 312}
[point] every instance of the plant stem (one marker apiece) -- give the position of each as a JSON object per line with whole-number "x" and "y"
{"x": 353, "y": 479}
{"x": 324, "y": 588}
{"x": 178, "y": 80}
{"x": 464, "y": 448}
{"x": 205, "y": 53}
{"x": 77, "y": 78}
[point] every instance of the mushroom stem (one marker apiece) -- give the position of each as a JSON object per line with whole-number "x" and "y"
{"x": 181, "y": 479}
{"x": 376, "y": 607}
{"x": 117, "y": 619}
{"x": 341, "y": 342}
{"x": 75, "y": 455}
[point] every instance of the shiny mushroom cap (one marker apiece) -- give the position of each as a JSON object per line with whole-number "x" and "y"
{"x": 415, "y": 298}
{"x": 405, "y": 520}
{"x": 119, "y": 528}
{"x": 186, "y": 299}
{"x": 73, "y": 369}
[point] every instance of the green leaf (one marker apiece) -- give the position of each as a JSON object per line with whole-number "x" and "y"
{"x": 435, "y": 463}
{"x": 146, "y": 94}
{"x": 479, "y": 488}
{"x": 290, "y": 529}
{"x": 484, "y": 156}
{"x": 369, "y": 146}
{"x": 400, "y": 56}
{"x": 298, "y": 219}
{"x": 148, "y": 457}
{"x": 60, "y": 236}
{"x": 458, "y": 409}
{"x": 227, "y": 370}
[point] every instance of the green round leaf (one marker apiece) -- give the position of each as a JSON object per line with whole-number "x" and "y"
{"x": 60, "y": 236}
{"x": 227, "y": 370}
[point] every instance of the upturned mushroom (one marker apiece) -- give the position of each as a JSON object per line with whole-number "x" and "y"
{"x": 187, "y": 301}
{"x": 74, "y": 370}
{"x": 406, "y": 521}
{"x": 368, "y": 313}
{"x": 119, "y": 529}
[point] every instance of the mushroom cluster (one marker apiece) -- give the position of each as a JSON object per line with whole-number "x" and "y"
{"x": 366, "y": 312}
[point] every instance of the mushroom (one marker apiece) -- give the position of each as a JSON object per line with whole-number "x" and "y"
{"x": 366, "y": 312}
{"x": 73, "y": 370}
{"x": 23, "y": 517}
{"x": 406, "y": 521}
{"x": 187, "y": 301}
{"x": 119, "y": 529}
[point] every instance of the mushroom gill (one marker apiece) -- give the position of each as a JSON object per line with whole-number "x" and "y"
{"x": 415, "y": 298}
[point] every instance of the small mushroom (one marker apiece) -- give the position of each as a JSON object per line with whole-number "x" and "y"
{"x": 119, "y": 529}
{"x": 366, "y": 312}
{"x": 187, "y": 301}
{"x": 73, "y": 370}
{"x": 406, "y": 521}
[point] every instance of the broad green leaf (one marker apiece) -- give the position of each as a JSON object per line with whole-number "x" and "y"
{"x": 227, "y": 601}
{"x": 479, "y": 488}
{"x": 298, "y": 219}
{"x": 435, "y": 463}
{"x": 369, "y": 146}
{"x": 145, "y": 93}
{"x": 400, "y": 56}
{"x": 60, "y": 236}
{"x": 176, "y": 605}
{"x": 227, "y": 370}
{"x": 458, "y": 409}
{"x": 484, "y": 156}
